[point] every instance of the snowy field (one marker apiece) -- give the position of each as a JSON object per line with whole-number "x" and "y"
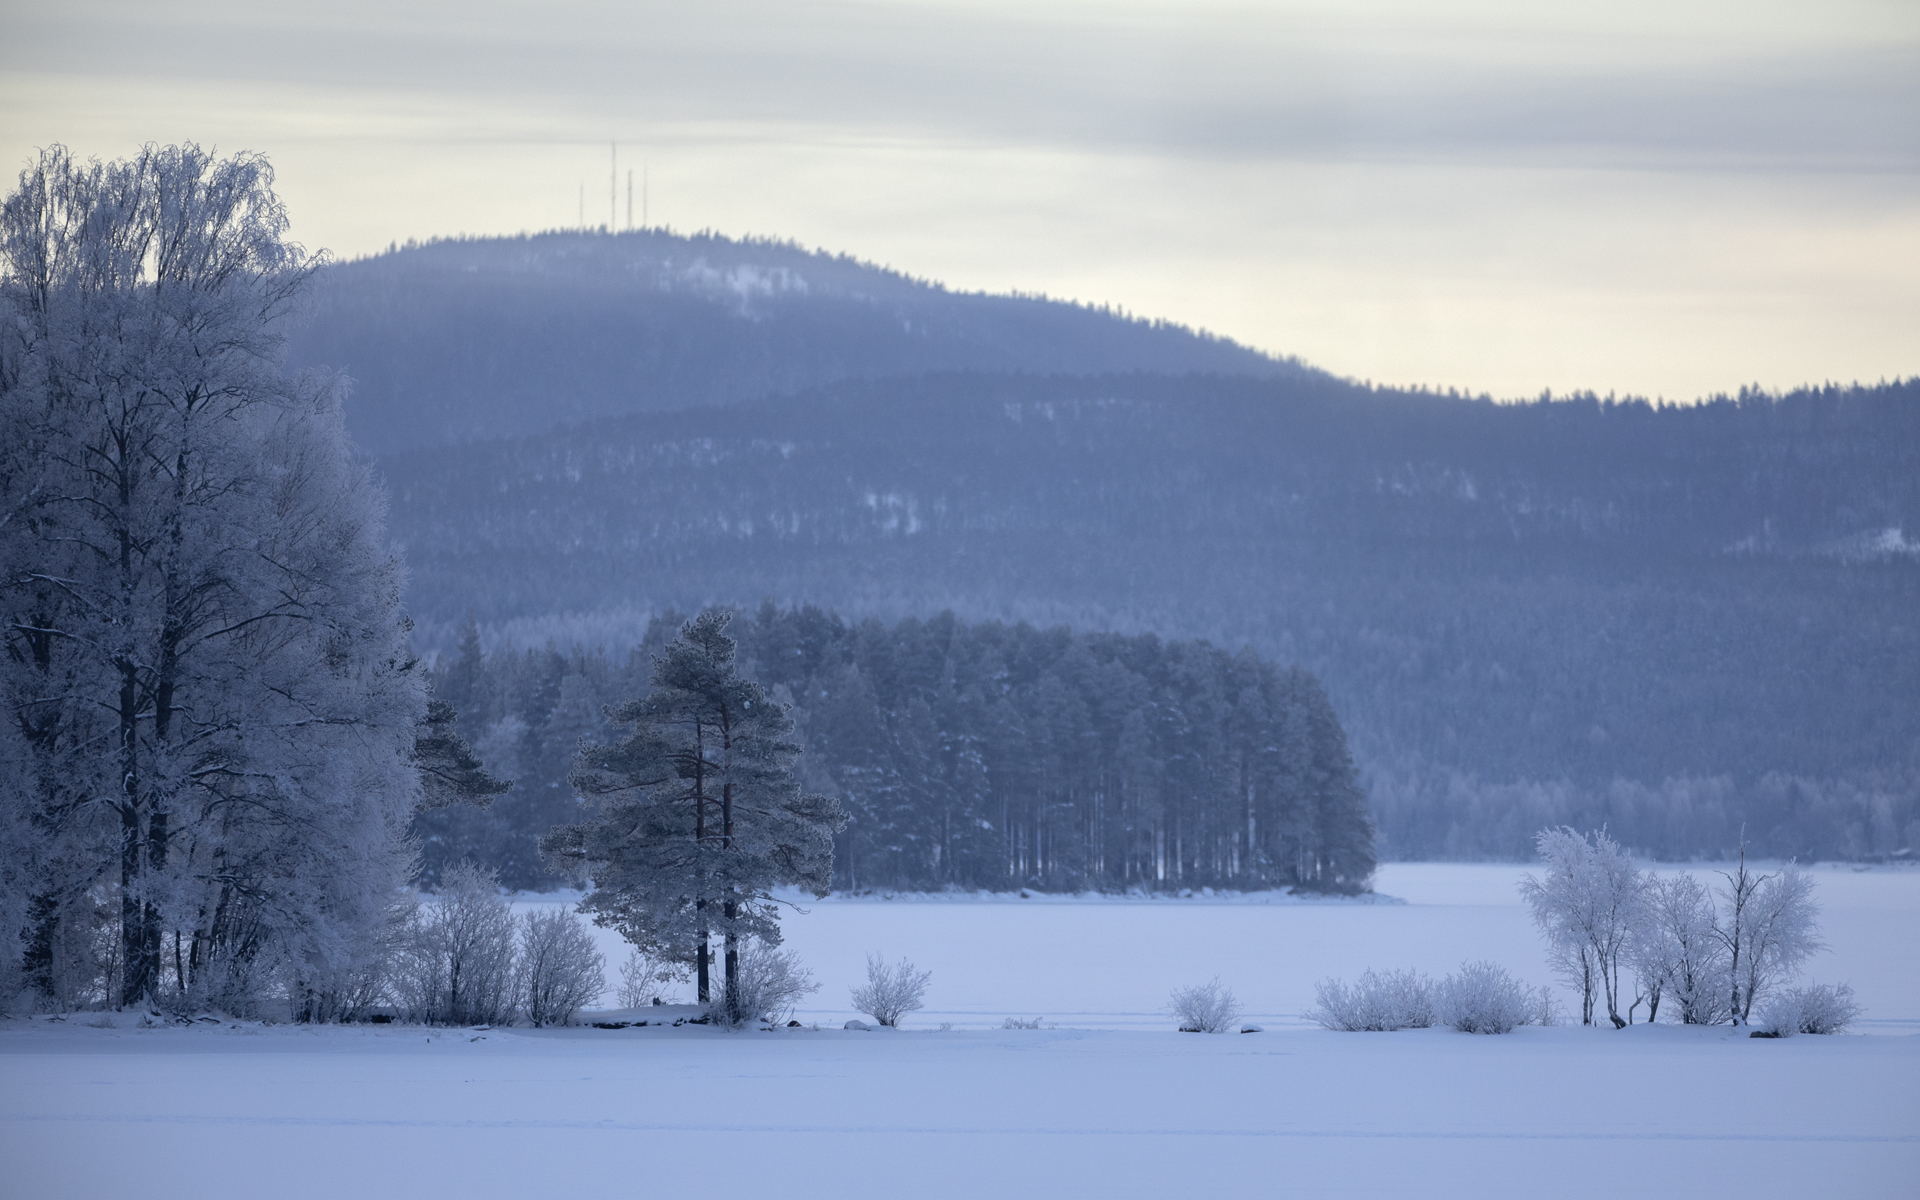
{"x": 1110, "y": 1102}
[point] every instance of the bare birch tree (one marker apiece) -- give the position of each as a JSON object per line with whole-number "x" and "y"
{"x": 1588, "y": 906}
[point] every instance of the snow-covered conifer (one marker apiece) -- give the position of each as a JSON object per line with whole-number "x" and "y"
{"x": 697, "y": 814}
{"x": 450, "y": 773}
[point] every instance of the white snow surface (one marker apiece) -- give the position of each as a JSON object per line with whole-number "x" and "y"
{"x": 1108, "y": 1101}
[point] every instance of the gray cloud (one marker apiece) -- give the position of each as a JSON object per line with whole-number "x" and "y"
{"x": 1257, "y": 89}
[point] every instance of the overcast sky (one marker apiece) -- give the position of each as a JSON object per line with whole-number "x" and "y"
{"x": 1666, "y": 199}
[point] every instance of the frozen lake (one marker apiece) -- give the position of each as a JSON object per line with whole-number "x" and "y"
{"x": 1110, "y": 1103}
{"x": 1102, "y": 963}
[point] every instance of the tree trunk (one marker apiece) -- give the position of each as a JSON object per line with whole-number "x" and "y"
{"x": 726, "y": 844}
{"x": 734, "y": 1015}
{"x": 700, "y": 844}
{"x": 139, "y": 961}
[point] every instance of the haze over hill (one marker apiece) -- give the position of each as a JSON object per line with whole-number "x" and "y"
{"x": 488, "y": 337}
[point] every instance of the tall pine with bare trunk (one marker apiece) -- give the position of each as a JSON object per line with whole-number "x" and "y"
{"x": 696, "y": 815}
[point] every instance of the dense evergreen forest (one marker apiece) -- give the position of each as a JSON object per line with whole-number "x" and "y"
{"x": 970, "y": 756}
{"x": 1678, "y": 621}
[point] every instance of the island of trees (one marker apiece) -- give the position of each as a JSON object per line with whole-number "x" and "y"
{"x": 968, "y": 755}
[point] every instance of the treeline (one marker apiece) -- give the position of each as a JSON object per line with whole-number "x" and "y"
{"x": 1502, "y": 601}
{"x": 1866, "y": 815}
{"x": 970, "y": 756}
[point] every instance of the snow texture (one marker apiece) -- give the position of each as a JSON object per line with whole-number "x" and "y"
{"x": 1104, "y": 1098}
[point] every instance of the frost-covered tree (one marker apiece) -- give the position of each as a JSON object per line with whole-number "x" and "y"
{"x": 460, "y": 965}
{"x": 644, "y": 976}
{"x": 205, "y": 665}
{"x": 765, "y": 984}
{"x": 1675, "y": 953}
{"x": 697, "y": 814}
{"x": 1588, "y": 906}
{"x": 1766, "y": 927}
{"x": 560, "y": 970}
{"x": 891, "y": 991}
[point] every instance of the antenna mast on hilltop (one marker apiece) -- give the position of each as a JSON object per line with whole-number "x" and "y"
{"x": 613, "y": 186}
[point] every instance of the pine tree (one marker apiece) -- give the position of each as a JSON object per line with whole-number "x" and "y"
{"x": 697, "y": 814}
{"x": 449, "y": 771}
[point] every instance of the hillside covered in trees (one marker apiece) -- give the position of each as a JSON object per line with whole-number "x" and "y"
{"x": 459, "y": 339}
{"x": 971, "y": 756}
{"x": 1676, "y": 621}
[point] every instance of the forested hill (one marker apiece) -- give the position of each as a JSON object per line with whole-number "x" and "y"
{"x": 479, "y": 338}
{"x": 1674, "y": 620}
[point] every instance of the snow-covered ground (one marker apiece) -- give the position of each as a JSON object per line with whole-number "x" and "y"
{"x": 1097, "y": 962}
{"x": 1110, "y": 1103}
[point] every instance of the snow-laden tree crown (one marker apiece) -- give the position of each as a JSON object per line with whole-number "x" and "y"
{"x": 208, "y": 694}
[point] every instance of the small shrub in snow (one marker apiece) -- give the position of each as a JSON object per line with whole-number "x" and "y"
{"x": 1380, "y": 1002}
{"x": 1017, "y": 1023}
{"x": 561, "y": 972}
{"x": 458, "y": 966}
{"x": 770, "y": 982}
{"x": 1482, "y": 998}
{"x": 644, "y": 978}
{"x": 1816, "y": 1008}
{"x": 1208, "y": 1008}
{"x": 891, "y": 992}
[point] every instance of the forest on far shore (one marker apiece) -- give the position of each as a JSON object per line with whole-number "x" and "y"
{"x": 967, "y": 756}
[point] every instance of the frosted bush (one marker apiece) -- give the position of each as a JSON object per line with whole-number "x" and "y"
{"x": 561, "y": 972}
{"x": 770, "y": 982}
{"x": 1482, "y": 998}
{"x": 644, "y": 978}
{"x": 1017, "y": 1023}
{"x": 891, "y": 992}
{"x": 1380, "y": 1002}
{"x": 1208, "y": 1008}
{"x": 458, "y": 966}
{"x": 1816, "y": 1008}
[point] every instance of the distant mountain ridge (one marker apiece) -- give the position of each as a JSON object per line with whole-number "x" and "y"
{"x": 475, "y": 338}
